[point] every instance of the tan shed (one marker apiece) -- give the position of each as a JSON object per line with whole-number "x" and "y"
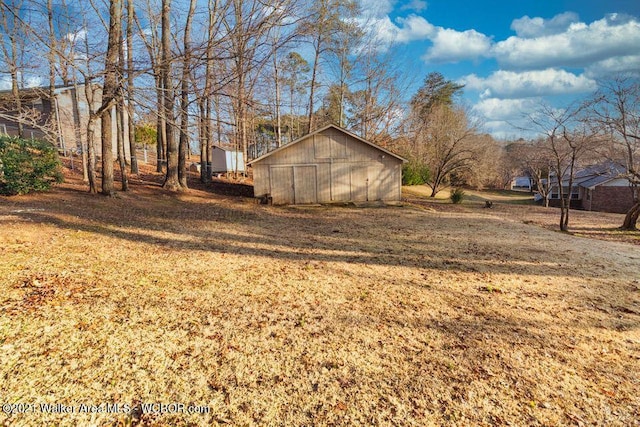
{"x": 328, "y": 165}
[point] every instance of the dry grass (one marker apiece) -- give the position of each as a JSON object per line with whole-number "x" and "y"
{"x": 312, "y": 316}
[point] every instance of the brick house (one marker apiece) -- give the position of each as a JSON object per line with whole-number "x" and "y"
{"x": 603, "y": 187}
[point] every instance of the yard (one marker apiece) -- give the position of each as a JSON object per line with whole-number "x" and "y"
{"x": 422, "y": 314}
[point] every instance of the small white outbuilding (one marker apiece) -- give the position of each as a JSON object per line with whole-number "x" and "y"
{"x": 226, "y": 161}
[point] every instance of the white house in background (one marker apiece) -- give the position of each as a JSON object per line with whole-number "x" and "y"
{"x": 522, "y": 183}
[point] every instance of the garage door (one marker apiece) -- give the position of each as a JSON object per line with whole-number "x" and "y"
{"x": 305, "y": 184}
{"x": 359, "y": 183}
{"x": 293, "y": 184}
{"x": 282, "y": 185}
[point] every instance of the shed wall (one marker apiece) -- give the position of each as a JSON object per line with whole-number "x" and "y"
{"x": 330, "y": 166}
{"x": 226, "y": 161}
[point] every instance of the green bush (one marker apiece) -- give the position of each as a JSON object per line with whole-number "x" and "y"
{"x": 456, "y": 196}
{"x": 415, "y": 174}
{"x": 27, "y": 165}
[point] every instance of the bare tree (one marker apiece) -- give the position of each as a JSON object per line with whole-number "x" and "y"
{"x": 565, "y": 141}
{"x": 171, "y": 180}
{"x": 533, "y": 159}
{"x": 294, "y": 71}
{"x": 121, "y": 112}
{"x": 250, "y": 28}
{"x": 110, "y": 93}
{"x": 376, "y": 94}
{"x": 151, "y": 40}
{"x": 11, "y": 34}
{"x": 130, "y": 88}
{"x": 324, "y": 22}
{"x": 449, "y": 139}
{"x": 184, "y": 98}
{"x": 486, "y": 169}
{"x": 615, "y": 112}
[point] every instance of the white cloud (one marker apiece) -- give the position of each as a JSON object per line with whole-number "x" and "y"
{"x": 561, "y": 41}
{"x": 619, "y": 64}
{"x": 494, "y": 109}
{"x": 415, "y": 5}
{"x": 29, "y": 81}
{"x": 376, "y": 8}
{"x": 5, "y": 83}
{"x": 526, "y": 27}
{"x": 448, "y": 45}
{"x": 77, "y": 36}
{"x": 414, "y": 27}
{"x": 453, "y": 46}
{"x": 33, "y": 81}
{"x": 578, "y": 46}
{"x": 505, "y": 118}
{"x": 409, "y": 29}
{"x": 509, "y": 84}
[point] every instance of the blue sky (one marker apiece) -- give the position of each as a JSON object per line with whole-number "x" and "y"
{"x": 512, "y": 54}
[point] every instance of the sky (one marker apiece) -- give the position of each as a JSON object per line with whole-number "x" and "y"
{"x": 512, "y": 55}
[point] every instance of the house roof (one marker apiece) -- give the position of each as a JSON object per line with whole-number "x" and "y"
{"x": 364, "y": 141}
{"x": 594, "y": 175}
{"x": 38, "y": 91}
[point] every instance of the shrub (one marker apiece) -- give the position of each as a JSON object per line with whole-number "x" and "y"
{"x": 457, "y": 194}
{"x": 415, "y": 174}
{"x": 27, "y": 165}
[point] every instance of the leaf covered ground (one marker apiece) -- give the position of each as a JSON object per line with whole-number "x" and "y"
{"x": 312, "y": 316}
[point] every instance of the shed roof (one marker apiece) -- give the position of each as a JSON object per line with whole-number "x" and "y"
{"x": 364, "y": 141}
{"x": 229, "y": 150}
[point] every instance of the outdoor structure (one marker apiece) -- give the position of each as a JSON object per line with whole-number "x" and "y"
{"x": 522, "y": 183}
{"x": 62, "y": 119}
{"x": 328, "y": 165}
{"x": 602, "y": 187}
{"x": 226, "y": 161}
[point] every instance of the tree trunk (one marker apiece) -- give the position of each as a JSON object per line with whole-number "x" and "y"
{"x": 107, "y": 152}
{"x": 202, "y": 136}
{"x": 120, "y": 117}
{"x": 110, "y": 89}
{"x": 564, "y": 217}
{"x": 130, "y": 80}
{"x": 291, "y": 112}
{"x": 15, "y": 91}
{"x": 436, "y": 184}
{"x": 184, "y": 101}
{"x": 631, "y": 218}
{"x": 52, "y": 69}
{"x": 122, "y": 159}
{"x": 91, "y": 156}
{"x": 171, "y": 181}
{"x": 313, "y": 83}
{"x": 76, "y": 128}
{"x": 277, "y": 90}
{"x": 90, "y": 165}
{"x": 161, "y": 135}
